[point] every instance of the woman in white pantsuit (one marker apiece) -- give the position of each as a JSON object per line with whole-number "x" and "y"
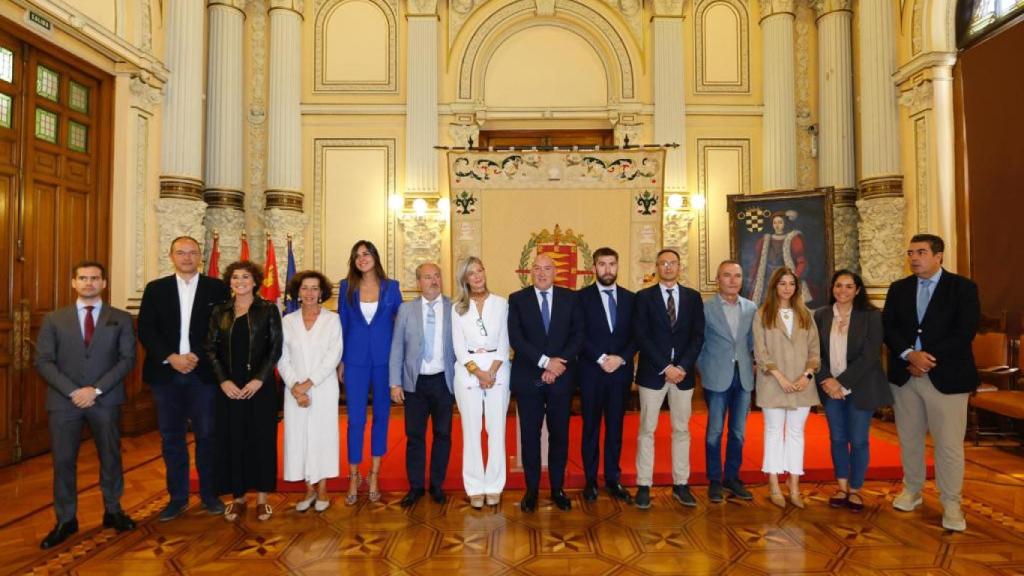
{"x": 311, "y": 352}
{"x": 480, "y": 335}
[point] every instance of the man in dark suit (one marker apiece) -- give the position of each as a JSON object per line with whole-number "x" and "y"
{"x": 669, "y": 329}
{"x": 930, "y": 319}
{"x": 606, "y": 372}
{"x": 545, "y": 328}
{"x": 173, "y": 321}
{"x": 84, "y": 352}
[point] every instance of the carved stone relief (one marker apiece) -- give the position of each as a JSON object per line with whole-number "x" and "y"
{"x": 844, "y": 237}
{"x": 421, "y": 242}
{"x": 256, "y": 126}
{"x": 881, "y": 239}
{"x": 921, "y": 173}
{"x": 141, "y": 200}
{"x": 806, "y": 163}
{"x": 918, "y": 99}
{"x": 463, "y": 134}
{"x": 632, "y": 131}
{"x": 178, "y": 217}
{"x": 677, "y": 237}
{"x": 229, "y": 224}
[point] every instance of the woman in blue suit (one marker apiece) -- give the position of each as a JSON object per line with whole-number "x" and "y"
{"x": 367, "y": 304}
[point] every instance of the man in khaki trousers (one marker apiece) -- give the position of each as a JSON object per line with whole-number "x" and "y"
{"x": 930, "y": 320}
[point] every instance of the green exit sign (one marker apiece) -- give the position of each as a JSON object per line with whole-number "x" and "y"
{"x": 40, "y": 20}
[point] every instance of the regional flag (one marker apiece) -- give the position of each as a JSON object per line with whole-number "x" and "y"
{"x": 290, "y": 305}
{"x": 214, "y": 268}
{"x": 271, "y": 289}
{"x": 244, "y": 254}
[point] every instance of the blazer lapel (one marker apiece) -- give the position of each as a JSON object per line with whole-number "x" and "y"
{"x": 200, "y": 294}
{"x": 661, "y": 306}
{"x": 718, "y": 311}
{"x": 826, "y": 334}
{"x": 858, "y": 330}
{"x": 101, "y": 323}
{"x": 70, "y": 320}
{"x": 418, "y": 329}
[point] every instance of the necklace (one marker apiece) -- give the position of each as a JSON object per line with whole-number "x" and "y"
{"x": 786, "y": 313}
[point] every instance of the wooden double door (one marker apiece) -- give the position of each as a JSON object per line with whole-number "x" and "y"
{"x": 55, "y": 153}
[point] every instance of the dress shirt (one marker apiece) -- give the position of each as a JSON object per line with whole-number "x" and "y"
{"x": 732, "y": 315}
{"x": 675, "y": 296}
{"x": 543, "y": 362}
{"x": 787, "y": 320}
{"x": 369, "y": 310}
{"x": 436, "y": 364}
{"x": 934, "y": 281}
{"x": 608, "y": 313}
{"x": 186, "y": 297}
{"x": 81, "y": 313}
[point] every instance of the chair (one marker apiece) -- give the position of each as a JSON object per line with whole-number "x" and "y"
{"x": 996, "y": 351}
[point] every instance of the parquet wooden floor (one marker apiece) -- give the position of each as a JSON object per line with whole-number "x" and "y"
{"x": 599, "y": 538}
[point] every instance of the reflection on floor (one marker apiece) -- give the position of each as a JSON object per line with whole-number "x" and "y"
{"x": 599, "y": 538}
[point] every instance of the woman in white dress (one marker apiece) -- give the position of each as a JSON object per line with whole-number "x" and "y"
{"x": 311, "y": 352}
{"x": 480, "y": 335}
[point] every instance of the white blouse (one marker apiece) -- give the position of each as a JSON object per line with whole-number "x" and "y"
{"x": 368, "y": 309}
{"x": 481, "y": 333}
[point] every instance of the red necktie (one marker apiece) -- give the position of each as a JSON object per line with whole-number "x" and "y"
{"x": 90, "y": 325}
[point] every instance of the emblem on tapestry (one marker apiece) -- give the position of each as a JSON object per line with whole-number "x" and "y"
{"x": 465, "y": 203}
{"x": 753, "y": 218}
{"x": 621, "y": 169}
{"x": 646, "y": 203}
{"x": 570, "y": 252}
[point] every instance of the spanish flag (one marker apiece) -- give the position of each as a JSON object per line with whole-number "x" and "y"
{"x": 271, "y": 289}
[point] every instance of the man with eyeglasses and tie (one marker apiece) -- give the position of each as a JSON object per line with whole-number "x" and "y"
{"x": 669, "y": 331}
{"x": 606, "y": 372}
{"x": 545, "y": 328}
{"x": 930, "y": 319}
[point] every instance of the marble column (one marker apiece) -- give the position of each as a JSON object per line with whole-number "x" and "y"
{"x": 284, "y": 197}
{"x": 225, "y": 200}
{"x": 180, "y": 207}
{"x": 880, "y": 204}
{"x": 836, "y": 166}
{"x": 779, "y": 151}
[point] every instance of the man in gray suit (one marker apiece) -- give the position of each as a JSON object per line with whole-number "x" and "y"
{"x": 727, "y": 375}
{"x": 84, "y": 352}
{"x": 422, "y": 373}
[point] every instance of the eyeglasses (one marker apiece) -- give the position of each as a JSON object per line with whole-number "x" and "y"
{"x": 480, "y": 325}
{"x": 669, "y": 264}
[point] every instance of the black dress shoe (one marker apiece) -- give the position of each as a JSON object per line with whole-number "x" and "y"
{"x": 411, "y": 497}
{"x": 562, "y": 501}
{"x": 590, "y": 493}
{"x": 437, "y": 494}
{"x": 60, "y": 533}
{"x": 529, "y": 501}
{"x": 736, "y": 488}
{"x": 118, "y": 521}
{"x": 619, "y": 493}
{"x": 681, "y": 492}
{"x": 643, "y": 497}
{"x": 715, "y": 492}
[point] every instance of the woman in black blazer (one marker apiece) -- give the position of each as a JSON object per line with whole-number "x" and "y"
{"x": 851, "y": 382}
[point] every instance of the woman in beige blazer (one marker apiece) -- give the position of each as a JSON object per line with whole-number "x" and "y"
{"x": 787, "y": 354}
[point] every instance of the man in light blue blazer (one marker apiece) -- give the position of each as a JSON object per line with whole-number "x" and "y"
{"x": 422, "y": 373}
{"x": 727, "y": 375}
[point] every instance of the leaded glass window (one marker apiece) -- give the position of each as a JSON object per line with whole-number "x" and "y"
{"x": 46, "y": 125}
{"x": 6, "y": 65}
{"x": 78, "y": 97}
{"x": 47, "y": 83}
{"x": 6, "y": 110}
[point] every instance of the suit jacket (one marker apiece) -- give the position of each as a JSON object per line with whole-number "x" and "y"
{"x": 160, "y": 325}
{"x": 792, "y": 354}
{"x": 946, "y": 332}
{"x": 721, "y": 352}
{"x": 66, "y": 364}
{"x": 661, "y": 344}
{"x": 408, "y": 341}
{"x": 863, "y": 376}
{"x": 564, "y": 338}
{"x": 599, "y": 338}
{"x": 368, "y": 343}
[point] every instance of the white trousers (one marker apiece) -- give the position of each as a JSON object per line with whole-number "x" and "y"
{"x": 784, "y": 440}
{"x": 477, "y": 409}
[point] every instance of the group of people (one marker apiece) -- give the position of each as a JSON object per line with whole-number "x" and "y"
{"x": 212, "y": 348}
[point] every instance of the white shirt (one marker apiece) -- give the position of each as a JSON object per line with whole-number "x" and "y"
{"x": 675, "y": 296}
{"x": 186, "y": 297}
{"x": 543, "y": 362}
{"x": 436, "y": 364}
{"x": 732, "y": 315}
{"x": 481, "y": 331}
{"x": 369, "y": 309}
{"x": 81, "y": 313}
{"x": 614, "y": 288}
{"x": 787, "y": 320}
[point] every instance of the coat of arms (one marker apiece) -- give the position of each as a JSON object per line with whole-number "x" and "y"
{"x": 572, "y": 256}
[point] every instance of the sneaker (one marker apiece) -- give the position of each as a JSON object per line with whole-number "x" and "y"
{"x": 736, "y": 489}
{"x": 172, "y": 511}
{"x": 214, "y": 507}
{"x": 643, "y": 497}
{"x": 953, "y": 518}
{"x": 681, "y": 492}
{"x": 907, "y": 501}
{"x": 715, "y": 492}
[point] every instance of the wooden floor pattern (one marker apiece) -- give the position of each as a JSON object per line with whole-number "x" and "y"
{"x": 599, "y": 538}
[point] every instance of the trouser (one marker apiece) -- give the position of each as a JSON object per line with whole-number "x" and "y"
{"x": 478, "y": 409}
{"x": 733, "y": 404}
{"x": 848, "y": 428}
{"x": 536, "y": 405}
{"x": 430, "y": 400}
{"x": 186, "y": 400}
{"x": 921, "y": 409}
{"x": 605, "y": 400}
{"x": 66, "y": 437}
{"x": 679, "y": 404}
{"x": 359, "y": 380}
{"x": 784, "y": 440}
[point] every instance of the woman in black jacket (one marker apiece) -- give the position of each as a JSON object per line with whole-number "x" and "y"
{"x": 851, "y": 382}
{"x": 244, "y": 344}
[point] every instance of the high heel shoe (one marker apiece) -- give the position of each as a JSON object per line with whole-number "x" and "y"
{"x": 775, "y": 496}
{"x": 353, "y": 489}
{"x": 796, "y": 499}
{"x": 305, "y": 503}
{"x": 374, "y": 490}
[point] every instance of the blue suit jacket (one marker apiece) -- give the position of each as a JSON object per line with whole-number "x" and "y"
{"x": 564, "y": 338}
{"x": 721, "y": 349}
{"x": 408, "y": 341}
{"x": 368, "y": 344}
{"x": 661, "y": 344}
{"x": 599, "y": 339}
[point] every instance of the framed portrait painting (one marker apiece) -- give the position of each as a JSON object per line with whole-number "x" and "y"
{"x": 770, "y": 231}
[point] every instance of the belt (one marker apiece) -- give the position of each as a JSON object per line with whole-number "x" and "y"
{"x": 434, "y": 375}
{"x": 482, "y": 351}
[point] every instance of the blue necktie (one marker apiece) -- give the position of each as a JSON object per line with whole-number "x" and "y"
{"x": 545, "y": 311}
{"x": 428, "y": 345}
{"x": 611, "y": 307}
{"x": 924, "y": 295}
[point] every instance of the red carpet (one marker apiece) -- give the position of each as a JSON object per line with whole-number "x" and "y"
{"x": 885, "y": 456}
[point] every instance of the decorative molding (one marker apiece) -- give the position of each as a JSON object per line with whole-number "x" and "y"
{"x": 742, "y": 50}
{"x": 706, "y": 282}
{"x": 545, "y": 8}
{"x": 881, "y": 239}
{"x": 617, "y": 169}
{"x": 146, "y": 90}
{"x": 458, "y": 12}
{"x": 228, "y": 224}
{"x": 676, "y": 235}
{"x": 178, "y": 217}
{"x": 881, "y": 187}
{"x": 421, "y": 242}
{"x": 823, "y": 7}
{"x": 221, "y": 198}
{"x": 236, "y": 4}
{"x": 256, "y": 125}
{"x": 845, "y": 236}
{"x": 320, "y": 145}
{"x": 421, "y": 8}
{"x": 806, "y": 150}
{"x": 181, "y": 187}
{"x": 141, "y": 200}
{"x": 284, "y": 200}
{"x": 917, "y": 28}
{"x": 919, "y": 98}
{"x": 282, "y": 224}
{"x": 668, "y": 8}
{"x": 293, "y": 5}
{"x": 624, "y": 130}
{"x": 921, "y": 172}
{"x": 145, "y": 26}
{"x": 938, "y": 65}
{"x": 772, "y": 7}
{"x": 724, "y": 110}
{"x": 327, "y": 109}
{"x": 324, "y": 8}
{"x": 462, "y": 134}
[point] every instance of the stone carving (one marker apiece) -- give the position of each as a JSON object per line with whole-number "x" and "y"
{"x": 421, "y": 242}
{"x": 145, "y": 90}
{"x": 229, "y": 224}
{"x": 677, "y": 236}
{"x": 633, "y": 131}
{"x": 743, "y": 50}
{"x": 769, "y": 7}
{"x": 545, "y": 8}
{"x": 323, "y": 9}
{"x": 281, "y": 224}
{"x": 620, "y": 169}
{"x": 422, "y": 7}
{"x": 881, "y": 239}
{"x": 458, "y": 12}
{"x": 822, "y": 7}
{"x": 294, "y": 5}
{"x": 804, "y": 24}
{"x": 844, "y": 237}
{"x": 917, "y": 28}
{"x": 145, "y": 26}
{"x": 178, "y": 217}
{"x": 921, "y": 173}
{"x": 256, "y": 127}
{"x": 466, "y": 238}
{"x": 461, "y": 134}
{"x": 668, "y": 7}
{"x": 918, "y": 98}
{"x": 141, "y": 200}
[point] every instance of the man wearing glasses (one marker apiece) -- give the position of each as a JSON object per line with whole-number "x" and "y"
{"x": 669, "y": 330}
{"x": 545, "y": 328}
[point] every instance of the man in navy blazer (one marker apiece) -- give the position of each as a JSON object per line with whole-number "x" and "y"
{"x": 669, "y": 328}
{"x": 174, "y": 318}
{"x": 727, "y": 376}
{"x": 606, "y": 372}
{"x": 545, "y": 328}
{"x": 930, "y": 319}
{"x": 422, "y": 374}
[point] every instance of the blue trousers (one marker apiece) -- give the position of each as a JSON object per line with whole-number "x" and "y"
{"x": 848, "y": 434}
{"x": 734, "y": 402}
{"x": 183, "y": 401}
{"x": 359, "y": 381}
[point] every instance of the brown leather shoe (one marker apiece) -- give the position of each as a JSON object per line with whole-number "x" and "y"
{"x": 264, "y": 512}
{"x": 234, "y": 510}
